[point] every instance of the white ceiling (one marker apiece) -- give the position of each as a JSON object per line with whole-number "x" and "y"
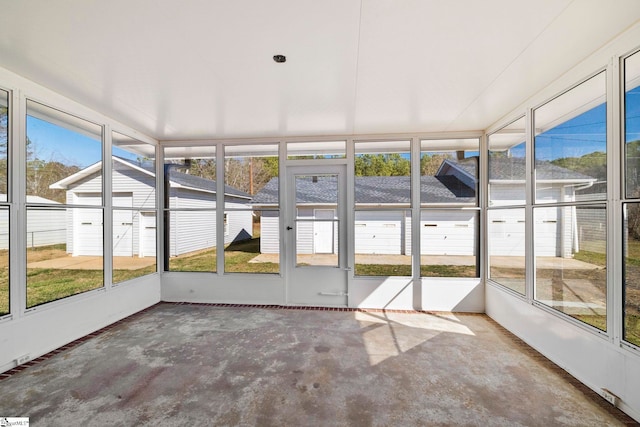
{"x": 193, "y": 69}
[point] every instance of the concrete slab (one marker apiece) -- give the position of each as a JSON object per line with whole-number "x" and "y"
{"x": 496, "y": 261}
{"x": 179, "y": 364}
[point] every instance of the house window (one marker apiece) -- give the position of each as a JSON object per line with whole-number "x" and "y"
{"x": 449, "y": 216}
{"x": 631, "y": 290}
{"x": 64, "y": 205}
{"x": 4, "y": 206}
{"x": 190, "y": 196}
{"x": 569, "y": 226}
{"x": 134, "y": 207}
{"x": 383, "y": 216}
{"x": 252, "y": 209}
{"x": 506, "y": 222}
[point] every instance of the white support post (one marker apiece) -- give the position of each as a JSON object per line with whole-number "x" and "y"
{"x": 160, "y": 237}
{"x": 107, "y": 203}
{"x": 350, "y": 221}
{"x": 220, "y": 206}
{"x": 615, "y": 191}
{"x": 530, "y": 189}
{"x": 17, "y": 198}
{"x": 415, "y": 223}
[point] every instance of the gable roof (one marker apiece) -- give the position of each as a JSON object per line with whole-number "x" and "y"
{"x": 176, "y": 179}
{"x": 454, "y": 182}
{"x": 514, "y": 169}
{"x": 373, "y": 190}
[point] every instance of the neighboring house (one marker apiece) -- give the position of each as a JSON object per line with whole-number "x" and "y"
{"x": 45, "y": 226}
{"x": 558, "y": 230}
{"x": 134, "y": 230}
{"x": 443, "y": 231}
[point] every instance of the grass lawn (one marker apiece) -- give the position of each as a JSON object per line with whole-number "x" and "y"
{"x": 204, "y": 260}
{"x": 425, "y": 270}
{"x": 236, "y": 259}
{"x": 237, "y": 256}
{"x": 632, "y": 328}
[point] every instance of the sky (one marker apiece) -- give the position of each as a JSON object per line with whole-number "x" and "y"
{"x": 585, "y": 133}
{"x": 51, "y": 142}
{"x": 581, "y": 135}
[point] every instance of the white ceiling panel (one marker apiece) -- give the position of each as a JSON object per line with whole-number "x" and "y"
{"x": 422, "y": 62}
{"x": 197, "y": 69}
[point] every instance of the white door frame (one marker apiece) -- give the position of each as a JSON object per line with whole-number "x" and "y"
{"x": 318, "y": 285}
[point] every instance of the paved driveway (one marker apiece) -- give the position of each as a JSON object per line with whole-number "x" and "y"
{"x": 93, "y": 263}
{"x": 496, "y": 261}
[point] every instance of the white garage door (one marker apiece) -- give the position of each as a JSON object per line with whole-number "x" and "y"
{"x": 547, "y": 232}
{"x": 123, "y": 232}
{"x": 378, "y": 232}
{"x": 448, "y": 232}
{"x": 506, "y": 235}
{"x": 87, "y": 227}
{"x": 148, "y": 226}
{"x": 507, "y": 228}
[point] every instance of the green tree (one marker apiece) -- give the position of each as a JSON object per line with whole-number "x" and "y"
{"x": 389, "y": 164}
{"x": 41, "y": 174}
{"x": 250, "y": 174}
{"x": 592, "y": 164}
{"x": 204, "y": 168}
{"x": 430, "y": 163}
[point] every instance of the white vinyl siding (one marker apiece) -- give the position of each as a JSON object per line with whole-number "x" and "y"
{"x": 192, "y": 231}
{"x": 270, "y": 232}
{"x": 140, "y": 184}
{"x": 591, "y": 229}
{"x": 239, "y": 224}
{"x": 184, "y": 198}
{"x": 506, "y": 194}
{"x": 304, "y": 231}
{"x": 44, "y": 227}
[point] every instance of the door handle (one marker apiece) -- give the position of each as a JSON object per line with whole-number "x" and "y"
{"x": 289, "y": 228}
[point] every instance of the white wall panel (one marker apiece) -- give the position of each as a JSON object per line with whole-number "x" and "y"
{"x": 588, "y": 356}
{"x": 461, "y": 295}
{"x": 53, "y": 325}
{"x": 233, "y": 288}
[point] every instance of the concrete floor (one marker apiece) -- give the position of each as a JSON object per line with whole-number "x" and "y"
{"x": 179, "y": 364}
